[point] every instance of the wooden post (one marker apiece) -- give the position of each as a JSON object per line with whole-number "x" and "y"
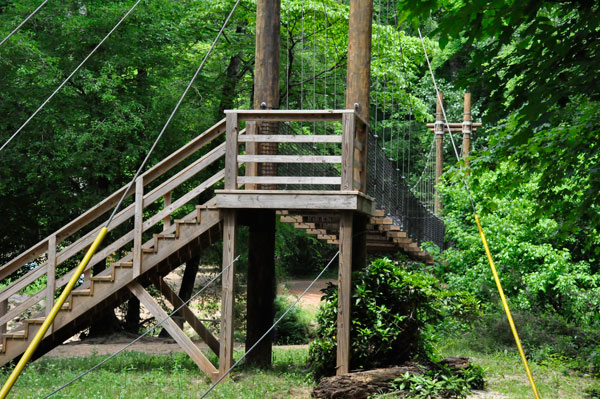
{"x": 344, "y": 294}
{"x": 261, "y": 238}
{"x": 227, "y": 295}
{"x": 353, "y": 248}
{"x": 358, "y": 76}
{"x": 3, "y": 310}
{"x": 167, "y": 202}
{"x": 439, "y": 152}
{"x": 231, "y": 151}
{"x": 51, "y": 274}
{"x": 348, "y": 130}
{"x": 138, "y": 220}
{"x": 466, "y": 129}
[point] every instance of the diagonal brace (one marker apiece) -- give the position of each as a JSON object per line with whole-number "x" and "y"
{"x": 173, "y": 329}
{"x": 187, "y": 314}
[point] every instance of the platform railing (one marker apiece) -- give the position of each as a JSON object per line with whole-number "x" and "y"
{"x": 350, "y": 159}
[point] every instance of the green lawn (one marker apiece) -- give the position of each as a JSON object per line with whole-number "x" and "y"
{"x": 135, "y": 375}
{"x": 505, "y": 374}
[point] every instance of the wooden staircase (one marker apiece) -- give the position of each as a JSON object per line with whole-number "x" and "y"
{"x": 148, "y": 237}
{"x": 383, "y": 234}
{"x": 157, "y": 244}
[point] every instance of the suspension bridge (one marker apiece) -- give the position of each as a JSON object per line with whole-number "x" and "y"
{"x": 329, "y": 166}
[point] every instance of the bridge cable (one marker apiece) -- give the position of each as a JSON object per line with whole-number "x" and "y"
{"x": 23, "y": 22}
{"x": 272, "y": 327}
{"x": 100, "y": 237}
{"x": 64, "y": 82}
{"x": 482, "y": 235}
{"x": 148, "y": 331}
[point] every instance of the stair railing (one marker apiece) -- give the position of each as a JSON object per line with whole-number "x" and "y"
{"x": 55, "y": 258}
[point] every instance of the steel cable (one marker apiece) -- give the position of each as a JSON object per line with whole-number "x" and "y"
{"x": 23, "y": 22}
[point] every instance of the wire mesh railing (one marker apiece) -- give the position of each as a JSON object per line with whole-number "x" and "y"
{"x": 392, "y": 193}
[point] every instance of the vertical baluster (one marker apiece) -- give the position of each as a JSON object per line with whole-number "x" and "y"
{"x": 3, "y": 310}
{"x": 231, "y": 151}
{"x": 137, "y": 226}
{"x": 348, "y": 130}
{"x": 51, "y": 276}
{"x": 167, "y": 219}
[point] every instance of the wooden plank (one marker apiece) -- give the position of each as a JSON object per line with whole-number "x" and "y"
{"x": 348, "y": 128}
{"x": 176, "y": 333}
{"x": 231, "y": 151}
{"x": 187, "y": 314}
{"x": 227, "y": 294}
{"x": 138, "y": 222}
{"x": 290, "y": 219}
{"x": 290, "y": 180}
{"x": 284, "y": 200}
{"x": 282, "y": 138}
{"x": 456, "y": 124}
{"x": 23, "y": 282}
{"x": 344, "y": 294}
{"x": 51, "y": 274}
{"x": 276, "y": 115}
{"x": 19, "y": 309}
{"x": 289, "y": 159}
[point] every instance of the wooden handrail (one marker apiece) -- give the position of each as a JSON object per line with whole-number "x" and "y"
{"x": 99, "y": 209}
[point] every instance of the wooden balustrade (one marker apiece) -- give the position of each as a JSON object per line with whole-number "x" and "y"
{"x": 352, "y": 167}
{"x": 49, "y": 245}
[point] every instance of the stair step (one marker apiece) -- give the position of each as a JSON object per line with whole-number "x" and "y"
{"x": 103, "y": 279}
{"x": 17, "y": 335}
{"x": 165, "y": 236}
{"x": 151, "y": 250}
{"x": 123, "y": 264}
{"x": 37, "y": 320}
{"x": 85, "y": 292}
{"x": 185, "y": 221}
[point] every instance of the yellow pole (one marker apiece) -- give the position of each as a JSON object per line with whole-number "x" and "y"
{"x": 506, "y": 308}
{"x": 52, "y": 315}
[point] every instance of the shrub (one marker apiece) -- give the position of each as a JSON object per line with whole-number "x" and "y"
{"x": 390, "y": 306}
{"x": 441, "y": 383}
{"x": 295, "y": 327}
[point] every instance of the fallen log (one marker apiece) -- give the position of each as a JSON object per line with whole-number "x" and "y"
{"x": 363, "y": 384}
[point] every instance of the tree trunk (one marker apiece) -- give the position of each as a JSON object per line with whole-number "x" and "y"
{"x": 132, "y": 318}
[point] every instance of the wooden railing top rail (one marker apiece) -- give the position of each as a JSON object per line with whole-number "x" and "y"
{"x": 102, "y": 207}
{"x": 278, "y": 115}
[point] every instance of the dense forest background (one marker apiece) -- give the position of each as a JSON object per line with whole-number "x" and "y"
{"x": 532, "y": 67}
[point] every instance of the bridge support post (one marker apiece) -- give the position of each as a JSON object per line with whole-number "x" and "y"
{"x": 353, "y": 246}
{"x": 439, "y": 152}
{"x": 227, "y": 295}
{"x": 261, "y": 253}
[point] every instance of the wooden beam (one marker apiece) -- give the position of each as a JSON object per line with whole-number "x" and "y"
{"x": 467, "y": 126}
{"x": 281, "y": 138}
{"x": 173, "y": 329}
{"x": 138, "y": 226}
{"x": 186, "y": 313}
{"x": 348, "y": 130}
{"x": 290, "y": 158}
{"x": 326, "y": 180}
{"x": 227, "y": 295}
{"x": 439, "y": 152}
{"x": 344, "y": 294}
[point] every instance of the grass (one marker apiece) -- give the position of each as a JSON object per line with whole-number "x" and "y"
{"x": 505, "y": 373}
{"x": 135, "y": 375}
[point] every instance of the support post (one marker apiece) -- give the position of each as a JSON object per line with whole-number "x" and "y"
{"x": 439, "y": 152}
{"x": 3, "y": 310}
{"x": 344, "y": 294}
{"x": 251, "y": 167}
{"x": 466, "y": 129}
{"x": 353, "y": 247}
{"x": 231, "y": 151}
{"x": 51, "y": 276}
{"x": 138, "y": 226}
{"x": 227, "y": 295}
{"x": 261, "y": 257}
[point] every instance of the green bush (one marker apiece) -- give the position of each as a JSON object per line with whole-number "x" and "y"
{"x": 390, "y": 307}
{"x": 295, "y": 327}
{"x": 441, "y": 383}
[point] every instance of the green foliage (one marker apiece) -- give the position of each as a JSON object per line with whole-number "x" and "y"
{"x": 441, "y": 383}
{"x": 390, "y": 307}
{"x": 537, "y": 270}
{"x": 295, "y": 327}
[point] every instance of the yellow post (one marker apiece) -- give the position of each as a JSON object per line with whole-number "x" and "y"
{"x": 52, "y": 315}
{"x": 506, "y": 308}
